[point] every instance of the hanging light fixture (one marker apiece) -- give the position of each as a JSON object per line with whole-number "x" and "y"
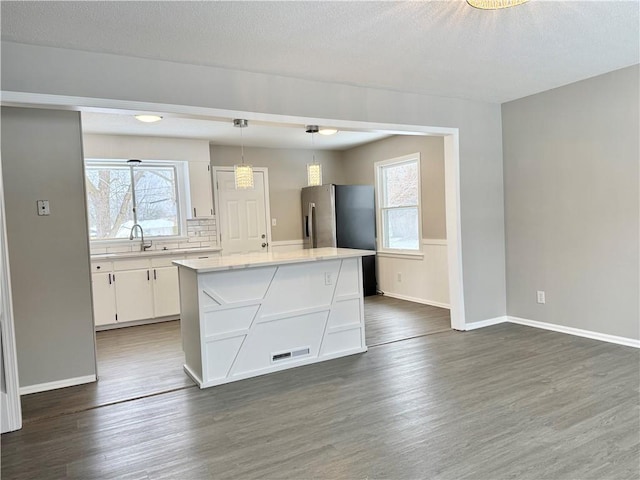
{"x": 495, "y": 4}
{"x": 243, "y": 173}
{"x": 314, "y": 169}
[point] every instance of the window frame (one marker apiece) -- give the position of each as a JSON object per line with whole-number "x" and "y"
{"x": 179, "y": 167}
{"x": 381, "y": 227}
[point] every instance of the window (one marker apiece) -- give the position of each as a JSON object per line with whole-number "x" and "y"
{"x": 398, "y": 195}
{"x": 120, "y": 195}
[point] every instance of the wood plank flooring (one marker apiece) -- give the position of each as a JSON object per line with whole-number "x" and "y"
{"x": 506, "y": 401}
{"x": 135, "y": 362}
{"x": 389, "y": 319}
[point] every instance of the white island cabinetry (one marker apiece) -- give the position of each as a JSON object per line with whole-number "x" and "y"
{"x": 248, "y": 315}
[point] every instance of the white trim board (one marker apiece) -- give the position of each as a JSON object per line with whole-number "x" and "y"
{"x": 604, "y": 337}
{"x": 578, "y": 332}
{"x": 417, "y": 300}
{"x": 486, "y": 323}
{"x": 67, "y": 382}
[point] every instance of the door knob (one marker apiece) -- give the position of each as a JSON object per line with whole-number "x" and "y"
{"x": 265, "y": 245}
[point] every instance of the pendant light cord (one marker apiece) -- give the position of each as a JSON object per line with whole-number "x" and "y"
{"x": 241, "y": 147}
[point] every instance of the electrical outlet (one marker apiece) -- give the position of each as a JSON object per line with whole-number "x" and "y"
{"x": 273, "y": 222}
{"x": 328, "y": 278}
{"x": 43, "y": 207}
{"x": 540, "y": 296}
{"x": 399, "y": 277}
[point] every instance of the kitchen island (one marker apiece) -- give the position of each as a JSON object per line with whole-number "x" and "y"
{"x": 248, "y": 315}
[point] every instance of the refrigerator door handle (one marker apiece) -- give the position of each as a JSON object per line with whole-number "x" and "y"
{"x": 312, "y": 206}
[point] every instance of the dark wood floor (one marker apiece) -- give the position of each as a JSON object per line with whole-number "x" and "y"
{"x": 133, "y": 362}
{"x": 388, "y": 319}
{"x": 146, "y": 360}
{"x": 506, "y": 401}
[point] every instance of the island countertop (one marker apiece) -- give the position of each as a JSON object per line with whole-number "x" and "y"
{"x": 252, "y": 260}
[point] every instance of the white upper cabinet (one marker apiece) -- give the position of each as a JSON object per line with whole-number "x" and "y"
{"x": 201, "y": 197}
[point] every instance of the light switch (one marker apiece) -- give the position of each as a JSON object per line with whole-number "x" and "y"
{"x": 43, "y": 207}
{"x": 273, "y": 222}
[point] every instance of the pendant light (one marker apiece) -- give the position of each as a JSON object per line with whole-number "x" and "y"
{"x": 314, "y": 169}
{"x": 495, "y": 4}
{"x": 243, "y": 173}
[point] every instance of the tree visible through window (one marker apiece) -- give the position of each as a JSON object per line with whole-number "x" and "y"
{"x": 119, "y": 196}
{"x": 399, "y": 203}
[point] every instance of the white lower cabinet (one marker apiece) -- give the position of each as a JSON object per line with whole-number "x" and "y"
{"x": 129, "y": 290}
{"x": 166, "y": 291}
{"x": 104, "y": 299}
{"x": 134, "y": 295}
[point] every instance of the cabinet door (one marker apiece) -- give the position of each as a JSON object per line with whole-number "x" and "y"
{"x": 104, "y": 300}
{"x": 166, "y": 291}
{"x": 134, "y": 295}
{"x": 200, "y": 190}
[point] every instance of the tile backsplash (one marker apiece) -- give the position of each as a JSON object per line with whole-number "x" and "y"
{"x": 200, "y": 233}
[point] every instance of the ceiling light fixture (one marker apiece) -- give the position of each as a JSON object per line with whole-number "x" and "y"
{"x": 148, "y": 118}
{"x": 495, "y": 4}
{"x": 243, "y": 174}
{"x": 314, "y": 169}
{"x": 328, "y": 131}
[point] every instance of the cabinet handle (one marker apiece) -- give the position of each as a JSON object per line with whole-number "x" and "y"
{"x": 109, "y": 279}
{"x": 154, "y": 274}
{"x": 147, "y": 275}
{"x": 114, "y": 277}
{"x": 194, "y": 212}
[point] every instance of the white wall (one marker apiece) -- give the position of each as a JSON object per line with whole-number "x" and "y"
{"x": 111, "y": 80}
{"x": 572, "y": 204}
{"x": 424, "y": 279}
{"x": 287, "y": 175}
{"x": 48, "y": 255}
{"x": 149, "y": 148}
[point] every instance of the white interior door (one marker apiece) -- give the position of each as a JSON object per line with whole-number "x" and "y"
{"x": 243, "y": 215}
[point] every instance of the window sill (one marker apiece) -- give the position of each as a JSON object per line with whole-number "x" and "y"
{"x": 404, "y": 255}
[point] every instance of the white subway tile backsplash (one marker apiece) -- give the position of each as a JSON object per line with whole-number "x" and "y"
{"x": 200, "y": 233}
{"x": 120, "y": 249}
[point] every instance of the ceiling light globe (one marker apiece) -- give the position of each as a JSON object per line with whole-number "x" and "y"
{"x": 495, "y": 4}
{"x": 148, "y": 118}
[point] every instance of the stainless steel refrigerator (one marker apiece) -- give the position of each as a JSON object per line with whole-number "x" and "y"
{"x": 342, "y": 216}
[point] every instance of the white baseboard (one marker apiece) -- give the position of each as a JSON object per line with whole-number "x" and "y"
{"x": 629, "y": 342}
{"x": 417, "y": 300}
{"x": 486, "y": 323}
{"x": 67, "y": 382}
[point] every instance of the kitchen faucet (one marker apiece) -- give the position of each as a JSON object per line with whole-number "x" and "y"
{"x": 143, "y": 245}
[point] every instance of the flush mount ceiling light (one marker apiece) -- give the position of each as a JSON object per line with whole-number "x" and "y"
{"x": 314, "y": 169}
{"x": 495, "y": 4}
{"x": 328, "y": 131}
{"x": 243, "y": 174}
{"x": 148, "y": 118}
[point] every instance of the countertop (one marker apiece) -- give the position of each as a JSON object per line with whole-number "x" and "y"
{"x": 154, "y": 253}
{"x": 251, "y": 260}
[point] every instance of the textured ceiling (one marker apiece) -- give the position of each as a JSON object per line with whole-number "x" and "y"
{"x": 438, "y": 48}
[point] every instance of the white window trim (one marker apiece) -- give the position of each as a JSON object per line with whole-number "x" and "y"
{"x": 404, "y": 253}
{"x": 181, "y": 184}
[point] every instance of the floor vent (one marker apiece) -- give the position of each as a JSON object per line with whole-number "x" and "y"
{"x": 299, "y": 352}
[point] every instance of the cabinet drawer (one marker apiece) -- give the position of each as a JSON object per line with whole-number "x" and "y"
{"x": 165, "y": 261}
{"x": 99, "y": 267}
{"x": 135, "y": 264}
